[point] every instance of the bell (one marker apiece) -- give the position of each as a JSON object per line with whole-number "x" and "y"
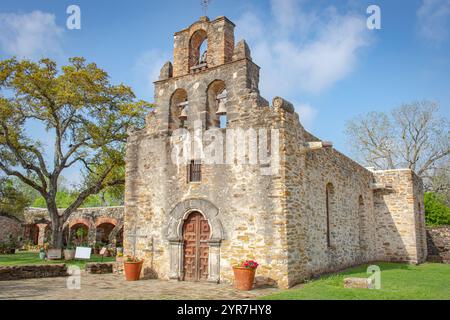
{"x": 183, "y": 115}
{"x": 222, "y": 110}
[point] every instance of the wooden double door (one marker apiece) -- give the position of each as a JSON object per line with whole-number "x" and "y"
{"x": 196, "y": 233}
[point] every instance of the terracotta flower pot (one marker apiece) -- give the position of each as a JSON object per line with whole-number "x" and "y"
{"x": 244, "y": 278}
{"x": 69, "y": 254}
{"x": 132, "y": 270}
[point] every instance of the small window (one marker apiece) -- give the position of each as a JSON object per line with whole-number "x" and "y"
{"x": 329, "y": 206}
{"x": 195, "y": 171}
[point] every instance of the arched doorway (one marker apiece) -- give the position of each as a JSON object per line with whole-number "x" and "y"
{"x": 32, "y": 234}
{"x": 196, "y": 233}
{"x": 178, "y": 216}
{"x": 102, "y": 233}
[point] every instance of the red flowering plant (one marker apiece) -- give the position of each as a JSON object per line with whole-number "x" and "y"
{"x": 248, "y": 264}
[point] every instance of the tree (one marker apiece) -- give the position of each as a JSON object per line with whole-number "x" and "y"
{"x": 412, "y": 136}
{"x": 87, "y": 117}
{"x": 439, "y": 183}
{"x": 12, "y": 201}
{"x": 437, "y": 213}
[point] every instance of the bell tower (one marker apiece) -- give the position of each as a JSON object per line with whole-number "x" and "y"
{"x": 219, "y": 35}
{"x": 209, "y": 78}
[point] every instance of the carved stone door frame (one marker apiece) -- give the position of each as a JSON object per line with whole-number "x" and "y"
{"x": 174, "y": 235}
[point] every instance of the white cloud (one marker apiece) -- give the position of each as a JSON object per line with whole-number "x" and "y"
{"x": 301, "y": 50}
{"x": 146, "y": 69}
{"x": 307, "y": 114}
{"x": 433, "y": 20}
{"x": 30, "y": 35}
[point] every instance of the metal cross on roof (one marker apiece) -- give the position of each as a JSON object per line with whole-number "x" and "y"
{"x": 205, "y": 4}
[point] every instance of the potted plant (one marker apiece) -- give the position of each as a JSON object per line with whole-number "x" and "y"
{"x": 132, "y": 267}
{"x": 244, "y": 274}
{"x": 69, "y": 252}
{"x": 42, "y": 254}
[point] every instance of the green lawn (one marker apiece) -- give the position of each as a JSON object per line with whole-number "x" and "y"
{"x": 398, "y": 281}
{"x": 23, "y": 258}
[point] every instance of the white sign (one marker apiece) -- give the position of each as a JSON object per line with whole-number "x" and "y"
{"x": 83, "y": 253}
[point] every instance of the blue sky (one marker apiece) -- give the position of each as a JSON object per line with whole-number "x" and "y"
{"x": 317, "y": 54}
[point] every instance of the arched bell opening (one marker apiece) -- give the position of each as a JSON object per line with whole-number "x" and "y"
{"x": 198, "y": 48}
{"x": 178, "y": 110}
{"x": 216, "y": 105}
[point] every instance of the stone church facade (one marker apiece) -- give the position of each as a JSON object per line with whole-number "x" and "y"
{"x": 318, "y": 212}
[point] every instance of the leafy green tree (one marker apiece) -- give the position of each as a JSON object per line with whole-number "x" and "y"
{"x": 12, "y": 201}
{"x": 436, "y": 211}
{"x": 87, "y": 116}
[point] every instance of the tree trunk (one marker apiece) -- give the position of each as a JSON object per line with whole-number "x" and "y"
{"x": 57, "y": 228}
{"x": 57, "y": 237}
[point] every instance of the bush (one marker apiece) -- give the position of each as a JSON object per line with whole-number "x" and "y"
{"x": 436, "y": 211}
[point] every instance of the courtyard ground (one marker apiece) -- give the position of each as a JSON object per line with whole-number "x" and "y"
{"x": 398, "y": 281}
{"x": 114, "y": 287}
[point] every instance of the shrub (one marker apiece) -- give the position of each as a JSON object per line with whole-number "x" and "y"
{"x": 436, "y": 211}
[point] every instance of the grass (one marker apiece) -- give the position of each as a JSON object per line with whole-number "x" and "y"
{"x": 429, "y": 281}
{"x": 28, "y": 258}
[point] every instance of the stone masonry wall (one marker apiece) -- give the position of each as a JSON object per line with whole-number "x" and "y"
{"x": 91, "y": 217}
{"x": 307, "y": 174}
{"x": 10, "y": 226}
{"x": 397, "y": 218}
{"x": 220, "y": 33}
{"x": 279, "y": 219}
{"x": 438, "y": 239}
{"x": 32, "y": 271}
{"x": 349, "y": 221}
{"x": 249, "y": 204}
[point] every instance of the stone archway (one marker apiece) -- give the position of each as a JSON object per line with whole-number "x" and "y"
{"x": 177, "y": 217}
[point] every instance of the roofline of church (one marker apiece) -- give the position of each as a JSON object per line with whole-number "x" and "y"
{"x": 205, "y": 19}
{"x": 206, "y": 70}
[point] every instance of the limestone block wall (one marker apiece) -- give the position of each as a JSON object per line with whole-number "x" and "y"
{"x": 439, "y": 244}
{"x": 10, "y": 226}
{"x": 220, "y": 34}
{"x": 241, "y": 79}
{"x": 91, "y": 217}
{"x": 279, "y": 219}
{"x": 400, "y": 226}
{"x": 349, "y": 221}
{"x": 308, "y": 172}
{"x": 249, "y": 204}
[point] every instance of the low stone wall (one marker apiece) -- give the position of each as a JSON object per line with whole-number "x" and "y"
{"x": 99, "y": 268}
{"x": 438, "y": 240}
{"x": 32, "y": 271}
